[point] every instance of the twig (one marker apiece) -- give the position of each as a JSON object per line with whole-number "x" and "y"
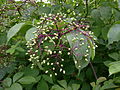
{"x": 86, "y": 3}
{"x": 94, "y": 72}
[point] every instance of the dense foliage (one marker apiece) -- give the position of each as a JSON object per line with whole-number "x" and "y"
{"x": 60, "y": 45}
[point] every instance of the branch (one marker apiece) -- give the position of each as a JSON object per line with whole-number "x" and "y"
{"x": 94, "y": 72}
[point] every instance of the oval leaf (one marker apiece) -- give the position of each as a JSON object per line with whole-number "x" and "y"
{"x": 16, "y": 86}
{"x": 29, "y": 34}
{"x": 17, "y": 76}
{"x": 48, "y": 79}
{"x": 83, "y": 53}
{"x": 114, "y": 67}
{"x": 7, "y": 82}
{"x": 27, "y": 80}
{"x": 42, "y": 85}
{"x": 12, "y": 32}
{"x": 114, "y": 33}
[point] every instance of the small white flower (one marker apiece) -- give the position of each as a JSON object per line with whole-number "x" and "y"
{"x": 46, "y": 71}
{"x": 94, "y": 39}
{"x": 37, "y": 60}
{"x": 69, "y": 49}
{"x": 44, "y": 61}
{"x": 94, "y": 48}
{"x": 96, "y": 45}
{"x": 48, "y": 63}
{"x": 60, "y": 52}
{"x": 83, "y": 43}
{"x": 75, "y": 62}
{"x": 68, "y": 53}
{"x": 76, "y": 48}
{"x": 46, "y": 46}
{"x": 63, "y": 71}
{"x": 54, "y": 51}
{"x": 53, "y": 68}
{"x": 31, "y": 67}
{"x": 60, "y": 69}
{"x": 55, "y": 74}
{"x": 81, "y": 38}
{"x": 57, "y": 62}
{"x": 50, "y": 75}
{"x": 33, "y": 54}
{"x": 47, "y": 58}
{"x": 61, "y": 65}
{"x": 36, "y": 51}
{"x": 86, "y": 59}
{"x": 87, "y": 50}
{"x": 88, "y": 46}
{"x": 51, "y": 63}
{"x": 62, "y": 59}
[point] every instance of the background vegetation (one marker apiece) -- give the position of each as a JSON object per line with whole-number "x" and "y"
{"x": 18, "y": 18}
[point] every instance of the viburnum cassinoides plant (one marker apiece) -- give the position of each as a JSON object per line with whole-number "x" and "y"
{"x": 59, "y": 39}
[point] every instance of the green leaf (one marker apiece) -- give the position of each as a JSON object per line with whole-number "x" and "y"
{"x": 100, "y": 79}
{"x": 17, "y": 76}
{"x": 118, "y": 3}
{"x": 117, "y": 80}
{"x": 7, "y": 82}
{"x": 3, "y": 38}
{"x": 2, "y": 73}
{"x": 38, "y": 78}
{"x": 47, "y": 78}
{"x": 46, "y": 10}
{"x": 57, "y": 87}
{"x": 85, "y": 86}
{"x": 63, "y": 83}
{"x": 16, "y": 86}
{"x": 29, "y": 34}
{"x": 31, "y": 72}
{"x": 108, "y": 85}
{"x": 114, "y": 67}
{"x": 114, "y": 55}
{"x": 105, "y": 12}
{"x": 79, "y": 54}
{"x": 42, "y": 85}
{"x": 20, "y": 49}
{"x": 13, "y": 31}
{"x": 11, "y": 50}
{"x": 114, "y": 34}
{"x": 75, "y": 86}
{"x": 27, "y": 80}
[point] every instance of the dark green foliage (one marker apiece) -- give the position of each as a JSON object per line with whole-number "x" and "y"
{"x": 18, "y": 21}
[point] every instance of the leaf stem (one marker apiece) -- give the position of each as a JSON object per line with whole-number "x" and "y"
{"x": 86, "y": 4}
{"x": 94, "y": 72}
